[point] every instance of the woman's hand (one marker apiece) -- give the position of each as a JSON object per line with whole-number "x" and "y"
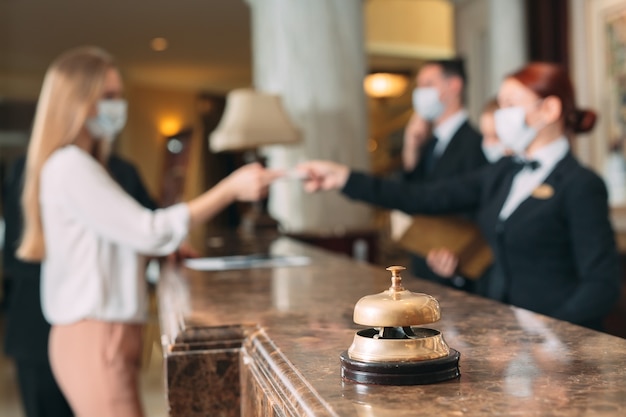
{"x": 443, "y": 262}
{"x": 250, "y": 182}
{"x": 323, "y": 175}
{"x": 184, "y": 251}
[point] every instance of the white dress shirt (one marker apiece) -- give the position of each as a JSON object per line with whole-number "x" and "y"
{"x": 446, "y": 130}
{"x": 94, "y": 234}
{"x": 528, "y": 179}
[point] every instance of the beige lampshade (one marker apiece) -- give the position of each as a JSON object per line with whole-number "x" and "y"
{"x": 252, "y": 119}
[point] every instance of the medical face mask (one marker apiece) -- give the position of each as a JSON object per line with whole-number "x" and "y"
{"x": 493, "y": 152}
{"x": 110, "y": 119}
{"x": 427, "y": 104}
{"x": 512, "y": 129}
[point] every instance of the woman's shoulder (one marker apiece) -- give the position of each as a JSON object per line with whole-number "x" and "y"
{"x": 577, "y": 169}
{"x": 66, "y": 158}
{"x": 69, "y": 152}
{"x": 580, "y": 177}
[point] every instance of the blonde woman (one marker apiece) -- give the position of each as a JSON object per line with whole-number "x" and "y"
{"x": 88, "y": 233}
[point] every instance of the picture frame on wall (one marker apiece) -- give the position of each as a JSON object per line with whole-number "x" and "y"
{"x": 614, "y": 28}
{"x": 599, "y": 68}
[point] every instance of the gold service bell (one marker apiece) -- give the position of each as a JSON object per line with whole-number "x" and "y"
{"x": 394, "y": 351}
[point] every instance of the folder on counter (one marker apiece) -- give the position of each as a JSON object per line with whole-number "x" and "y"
{"x": 420, "y": 234}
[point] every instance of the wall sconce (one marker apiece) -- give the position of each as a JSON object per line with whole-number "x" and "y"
{"x": 385, "y": 84}
{"x": 169, "y": 125}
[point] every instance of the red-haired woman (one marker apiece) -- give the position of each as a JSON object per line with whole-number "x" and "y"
{"x": 544, "y": 215}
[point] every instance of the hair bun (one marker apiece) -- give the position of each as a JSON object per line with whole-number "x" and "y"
{"x": 583, "y": 120}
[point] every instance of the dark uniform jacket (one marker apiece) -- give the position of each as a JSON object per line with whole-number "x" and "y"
{"x": 462, "y": 155}
{"x": 555, "y": 254}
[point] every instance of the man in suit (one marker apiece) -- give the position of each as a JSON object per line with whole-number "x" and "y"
{"x": 26, "y": 337}
{"x": 439, "y": 141}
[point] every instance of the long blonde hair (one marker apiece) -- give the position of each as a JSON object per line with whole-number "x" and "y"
{"x": 71, "y": 87}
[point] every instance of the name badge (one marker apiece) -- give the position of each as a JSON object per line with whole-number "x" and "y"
{"x": 543, "y": 192}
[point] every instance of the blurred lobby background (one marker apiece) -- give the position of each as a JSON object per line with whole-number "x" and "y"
{"x": 179, "y": 59}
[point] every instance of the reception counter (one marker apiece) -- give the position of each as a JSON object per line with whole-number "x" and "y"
{"x": 266, "y": 342}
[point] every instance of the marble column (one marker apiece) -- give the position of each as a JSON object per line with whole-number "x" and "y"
{"x": 312, "y": 54}
{"x": 491, "y": 35}
{"x": 507, "y": 40}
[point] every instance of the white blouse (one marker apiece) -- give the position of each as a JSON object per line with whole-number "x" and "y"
{"x": 528, "y": 179}
{"x": 94, "y": 234}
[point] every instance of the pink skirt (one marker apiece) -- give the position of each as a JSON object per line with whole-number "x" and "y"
{"x": 97, "y": 365}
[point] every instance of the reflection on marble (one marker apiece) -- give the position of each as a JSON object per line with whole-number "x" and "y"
{"x": 513, "y": 362}
{"x": 523, "y": 373}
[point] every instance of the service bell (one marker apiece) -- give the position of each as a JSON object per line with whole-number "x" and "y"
{"x": 395, "y": 350}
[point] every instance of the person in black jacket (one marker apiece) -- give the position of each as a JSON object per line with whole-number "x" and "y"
{"x": 544, "y": 215}
{"x": 442, "y": 260}
{"x": 26, "y": 338}
{"x": 439, "y": 141}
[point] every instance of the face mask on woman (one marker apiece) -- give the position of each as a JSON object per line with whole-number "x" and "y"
{"x": 493, "y": 152}
{"x": 512, "y": 129}
{"x": 426, "y": 103}
{"x": 110, "y": 120}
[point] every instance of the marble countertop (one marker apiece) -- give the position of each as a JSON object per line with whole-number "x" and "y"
{"x": 299, "y": 320}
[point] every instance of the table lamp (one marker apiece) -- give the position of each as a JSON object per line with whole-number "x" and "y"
{"x": 253, "y": 119}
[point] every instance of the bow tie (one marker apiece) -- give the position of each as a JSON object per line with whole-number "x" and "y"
{"x": 525, "y": 163}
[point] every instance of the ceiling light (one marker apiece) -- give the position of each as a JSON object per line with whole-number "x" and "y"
{"x": 158, "y": 44}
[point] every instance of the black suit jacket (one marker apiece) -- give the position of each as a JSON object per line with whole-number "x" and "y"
{"x": 26, "y": 336}
{"x": 554, "y": 255}
{"x": 462, "y": 155}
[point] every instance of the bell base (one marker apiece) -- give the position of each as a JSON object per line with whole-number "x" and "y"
{"x": 422, "y": 372}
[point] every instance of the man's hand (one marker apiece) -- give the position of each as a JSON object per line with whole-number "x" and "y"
{"x": 416, "y": 134}
{"x": 323, "y": 175}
